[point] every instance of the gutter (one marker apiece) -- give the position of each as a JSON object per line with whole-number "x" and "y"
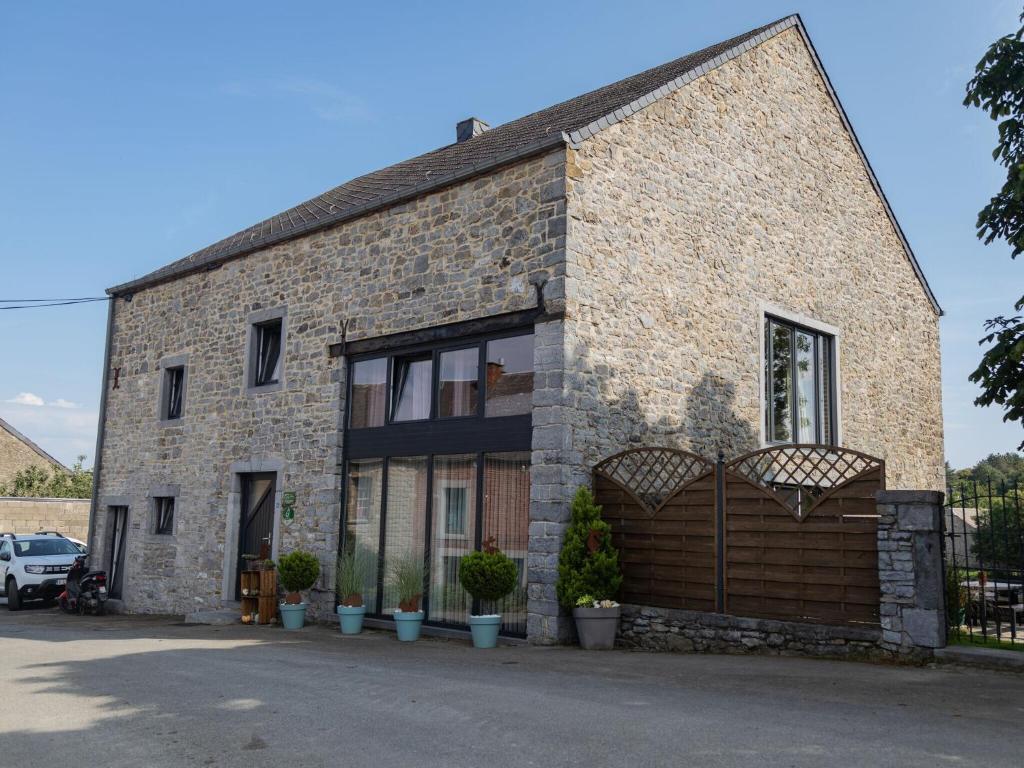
{"x": 212, "y": 261}
{"x": 97, "y": 464}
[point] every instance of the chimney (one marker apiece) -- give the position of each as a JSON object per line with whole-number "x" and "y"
{"x": 468, "y": 128}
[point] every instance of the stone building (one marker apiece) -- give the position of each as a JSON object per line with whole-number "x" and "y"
{"x": 18, "y": 453}
{"x": 437, "y": 353}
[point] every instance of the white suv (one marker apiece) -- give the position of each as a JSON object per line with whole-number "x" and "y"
{"x": 34, "y": 566}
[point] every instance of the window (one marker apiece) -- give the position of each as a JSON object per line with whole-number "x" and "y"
{"x": 799, "y": 386}
{"x": 163, "y": 507}
{"x": 459, "y": 380}
{"x": 509, "y": 384}
{"x": 369, "y": 393}
{"x": 455, "y": 511}
{"x": 174, "y": 385}
{"x": 412, "y": 388}
{"x": 267, "y": 349}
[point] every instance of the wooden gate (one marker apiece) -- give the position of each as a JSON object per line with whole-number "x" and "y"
{"x": 788, "y": 532}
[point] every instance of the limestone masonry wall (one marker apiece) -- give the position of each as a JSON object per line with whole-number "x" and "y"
{"x": 15, "y": 457}
{"x": 740, "y": 193}
{"x": 467, "y": 251}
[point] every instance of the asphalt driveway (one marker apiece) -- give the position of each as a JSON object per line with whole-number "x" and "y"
{"x": 125, "y": 691}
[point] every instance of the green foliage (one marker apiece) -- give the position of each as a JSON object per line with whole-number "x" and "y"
{"x": 999, "y": 538}
{"x": 998, "y": 88}
{"x": 588, "y": 565}
{"x": 1002, "y": 470}
{"x": 488, "y": 576}
{"x": 585, "y": 601}
{"x": 298, "y": 570}
{"x": 59, "y": 483}
{"x": 957, "y": 597}
{"x": 407, "y": 577}
{"x": 357, "y": 569}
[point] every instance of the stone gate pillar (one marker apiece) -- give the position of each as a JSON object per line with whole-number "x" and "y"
{"x": 913, "y": 614}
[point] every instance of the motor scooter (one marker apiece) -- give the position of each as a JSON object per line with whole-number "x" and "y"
{"x": 85, "y": 590}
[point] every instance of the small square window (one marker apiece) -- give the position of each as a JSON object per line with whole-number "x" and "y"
{"x": 163, "y": 509}
{"x": 266, "y": 358}
{"x": 174, "y": 387}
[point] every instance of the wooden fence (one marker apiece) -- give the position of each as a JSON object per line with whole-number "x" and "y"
{"x": 788, "y": 532}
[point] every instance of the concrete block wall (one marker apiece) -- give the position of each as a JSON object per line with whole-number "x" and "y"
{"x": 27, "y": 515}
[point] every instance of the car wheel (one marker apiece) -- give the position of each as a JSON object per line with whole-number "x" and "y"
{"x": 13, "y": 598}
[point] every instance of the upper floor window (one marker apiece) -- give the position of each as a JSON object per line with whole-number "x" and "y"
{"x": 267, "y": 348}
{"x": 163, "y": 513}
{"x": 174, "y": 384}
{"x": 799, "y": 384}
{"x": 486, "y": 378}
{"x": 412, "y": 378}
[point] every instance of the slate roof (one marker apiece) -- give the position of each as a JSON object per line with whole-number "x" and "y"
{"x": 527, "y": 135}
{"x": 569, "y": 122}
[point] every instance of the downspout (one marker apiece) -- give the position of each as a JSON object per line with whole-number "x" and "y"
{"x": 97, "y": 463}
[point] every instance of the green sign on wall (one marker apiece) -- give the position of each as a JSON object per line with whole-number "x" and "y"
{"x": 288, "y": 505}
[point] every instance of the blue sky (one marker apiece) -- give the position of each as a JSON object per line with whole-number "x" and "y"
{"x": 133, "y": 134}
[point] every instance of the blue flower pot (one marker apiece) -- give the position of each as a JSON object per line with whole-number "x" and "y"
{"x": 408, "y": 624}
{"x": 351, "y": 619}
{"x": 485, "y": 630}
{"x": 292, "y": 616}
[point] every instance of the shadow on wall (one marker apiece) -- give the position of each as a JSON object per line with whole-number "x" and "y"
{"x": 707, "y": 421}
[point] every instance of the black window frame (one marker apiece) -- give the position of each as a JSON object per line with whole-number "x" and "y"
{"x": 258, "y": 329}
{"x": 475, "y": 435}
{"x": 174, "y": 384}
{"x": 827, "y": 416}
{"x": 164, "y": 526}
{"x": 419, "y": 437}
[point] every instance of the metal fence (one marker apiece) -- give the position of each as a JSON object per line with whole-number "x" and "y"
{"x": 983, "y": 553}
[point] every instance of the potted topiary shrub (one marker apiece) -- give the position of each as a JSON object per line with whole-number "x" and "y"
{"x": 357, "y": 567}
{"x": 298, "y": 571}
{"x": 588, "y": 574}
{"x": 488, "y": 576}
{"x": 407, "y": 576}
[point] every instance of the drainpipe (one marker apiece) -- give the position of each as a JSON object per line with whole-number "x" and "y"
{"x": 97, "y": 462}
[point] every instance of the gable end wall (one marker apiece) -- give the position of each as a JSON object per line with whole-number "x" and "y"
{"x": 743, "y": 189}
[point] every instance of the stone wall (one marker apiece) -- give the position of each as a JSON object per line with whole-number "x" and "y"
{"x": 913, "y": 612}
{"x": 468, "y": 251}
{"x": 740, "y": 193}
{"x": 16, "y": 456}
{"x": 26, "y": 515}
{"x": 663, "y": 629}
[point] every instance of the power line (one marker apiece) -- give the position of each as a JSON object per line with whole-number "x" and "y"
{"x": 50, "y": 302}
{"x": 79, "y": 298}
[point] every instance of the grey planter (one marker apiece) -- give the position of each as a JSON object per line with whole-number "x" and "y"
{"x": 596, "y": 627}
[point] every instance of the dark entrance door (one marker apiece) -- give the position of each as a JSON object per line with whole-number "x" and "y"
{"x": 118, "y": 527}
{"x": 256, "y": 528}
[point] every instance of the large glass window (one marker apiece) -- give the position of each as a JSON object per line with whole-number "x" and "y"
{"x": 405, "y": 520}
{"x": 454, "y": 497}
{"x": 506, "y": 517}
{"x": 369, "y": 392}
{"x": 509, "y": 383}
{"x": 438, "y": 457}
{"x": 798, "y": 384}
{"x": 458, "y": 383}
{"x": 412, "y": 388}
{"x": 362, "y": 514}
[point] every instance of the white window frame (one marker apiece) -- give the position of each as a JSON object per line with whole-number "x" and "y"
{"x": 767, "y": 311}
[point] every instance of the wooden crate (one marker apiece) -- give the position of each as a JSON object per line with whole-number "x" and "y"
{"x": 259, "y": 597}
